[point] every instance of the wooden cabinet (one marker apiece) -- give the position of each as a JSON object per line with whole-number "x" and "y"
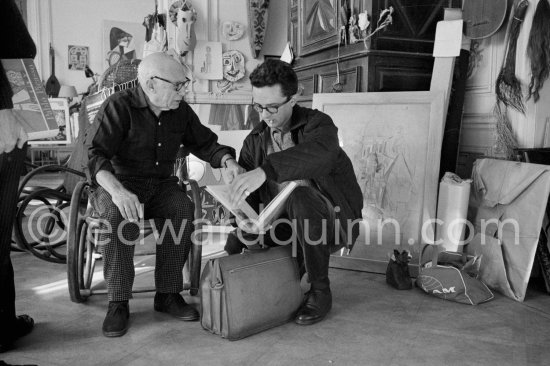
{"x": 399, "y": 58}
{"x": 414, "y": 23}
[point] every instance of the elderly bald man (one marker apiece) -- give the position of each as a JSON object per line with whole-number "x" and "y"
{"x": 132, "y": 149}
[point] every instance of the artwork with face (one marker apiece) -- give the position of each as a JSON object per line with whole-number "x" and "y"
{"x": 233, "y": 65}
{"x": 122, "y": 46}
{"x": 186, "y": 38}
{"x": 232, "y": 31}
{"x": 184, "y": 16}
{"x": 121, "y": 41}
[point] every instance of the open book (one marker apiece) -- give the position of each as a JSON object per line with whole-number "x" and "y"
{"x": 249, "y": 219}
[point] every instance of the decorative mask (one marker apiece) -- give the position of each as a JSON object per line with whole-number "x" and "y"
{"x": 233, "y": 65}
{"x": 232, "y": 30}
{"x": 186, "y": 38}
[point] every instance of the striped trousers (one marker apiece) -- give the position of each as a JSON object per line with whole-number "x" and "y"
{"x": 172, "y": 213}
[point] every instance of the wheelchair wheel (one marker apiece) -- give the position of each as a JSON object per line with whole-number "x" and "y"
{"x": 43, "y": 231}
{"x": 81, "y": 251}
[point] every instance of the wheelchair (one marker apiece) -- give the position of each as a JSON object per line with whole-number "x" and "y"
{"x": 40, "y": 221}
{"x": 41, "y": 211}
{"x": 83, "y": 250}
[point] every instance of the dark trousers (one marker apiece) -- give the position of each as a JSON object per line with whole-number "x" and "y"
{"x": 310, "y": 222}
{"x": 172, "y": 211}
{"x": 11, "y": 167}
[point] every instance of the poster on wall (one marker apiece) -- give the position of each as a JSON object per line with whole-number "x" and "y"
{"x": 78, "y": 57}
{"x": 207, "y": 60}
{"x": 122, "y": 41}
{"x": 30, "y": 99}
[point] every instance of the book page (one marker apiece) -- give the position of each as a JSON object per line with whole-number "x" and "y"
{"x": 275, "y": 208}
{"x": 252, "y": 222}
{"x": 243, "y": 212}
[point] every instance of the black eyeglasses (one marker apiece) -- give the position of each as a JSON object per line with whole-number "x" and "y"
{"x": 272, "y": 109}
{"x": 177, "y": 86}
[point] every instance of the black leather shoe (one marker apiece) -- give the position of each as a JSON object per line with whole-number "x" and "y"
{"x": 175, "y": 305}
{"x": 23, "y": 325}
{"x": 316, "y": 306}
{"x": 117, "y": 319}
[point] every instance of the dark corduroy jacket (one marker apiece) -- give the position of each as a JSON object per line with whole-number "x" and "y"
{"x": 316, "y": 155}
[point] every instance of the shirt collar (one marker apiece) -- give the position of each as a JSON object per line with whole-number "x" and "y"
{"x": 138, "y": 98}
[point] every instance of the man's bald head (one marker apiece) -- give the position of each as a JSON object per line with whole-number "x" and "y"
{"x": 160, "y": 64}
{"x": 159, "y": 76}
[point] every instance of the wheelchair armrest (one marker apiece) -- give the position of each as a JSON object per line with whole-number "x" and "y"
{"x": 195, "y": 196}
{"x": 50, "y": 168}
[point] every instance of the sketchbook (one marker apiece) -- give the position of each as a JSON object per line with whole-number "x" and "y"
{"x": 251, "y": 221}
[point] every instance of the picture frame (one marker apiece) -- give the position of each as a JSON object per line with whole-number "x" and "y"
{"x": 207, "y": 57}
{"x": 60, "y": 108}
{"x": 78, "y": 57}
{"x": 121, "y": 41}
{"x": 394, "y": 142}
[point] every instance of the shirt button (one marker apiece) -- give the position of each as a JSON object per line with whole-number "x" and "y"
{"x": 160, "y": 124}
{"x": 159, "y": 144}
{"x": 157, "y": 163}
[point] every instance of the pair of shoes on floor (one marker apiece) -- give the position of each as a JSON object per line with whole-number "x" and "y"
{"x": 175, "y": 305}
{"x": 315, "y": 307}
{"x": 22, "y": 326}
{"x": 117, "y": 320}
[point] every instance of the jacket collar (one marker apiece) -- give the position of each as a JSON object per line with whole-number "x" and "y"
{"x": 296, "y": 121}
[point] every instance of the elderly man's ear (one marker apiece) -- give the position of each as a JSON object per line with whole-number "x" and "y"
{"x": 150, "y": 85}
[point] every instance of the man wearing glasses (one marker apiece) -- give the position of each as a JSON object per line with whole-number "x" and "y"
{"x": 298, "y": 144}
{"x": 132, "y": 148}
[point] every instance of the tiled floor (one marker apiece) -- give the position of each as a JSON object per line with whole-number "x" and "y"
{"x": 370, "y": 324}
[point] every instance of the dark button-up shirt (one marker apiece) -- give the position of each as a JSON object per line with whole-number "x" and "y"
{"x": 128, "y": 139}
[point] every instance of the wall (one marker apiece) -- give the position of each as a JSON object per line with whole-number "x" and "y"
{"x": 79, "y": 22}
{"x": 478, "y": 135}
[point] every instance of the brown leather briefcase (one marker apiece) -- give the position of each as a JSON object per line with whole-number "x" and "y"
{"x": 247, "y": 293}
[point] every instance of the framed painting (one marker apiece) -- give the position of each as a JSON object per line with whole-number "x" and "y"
{"x": 60, "y": 108}
{"x": 122, "y": 41}
{"x": 78, "y": 57}
{"x": 394, "y": 142}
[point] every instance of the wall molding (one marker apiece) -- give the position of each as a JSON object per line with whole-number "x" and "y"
{"x": 40, "y": 28}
